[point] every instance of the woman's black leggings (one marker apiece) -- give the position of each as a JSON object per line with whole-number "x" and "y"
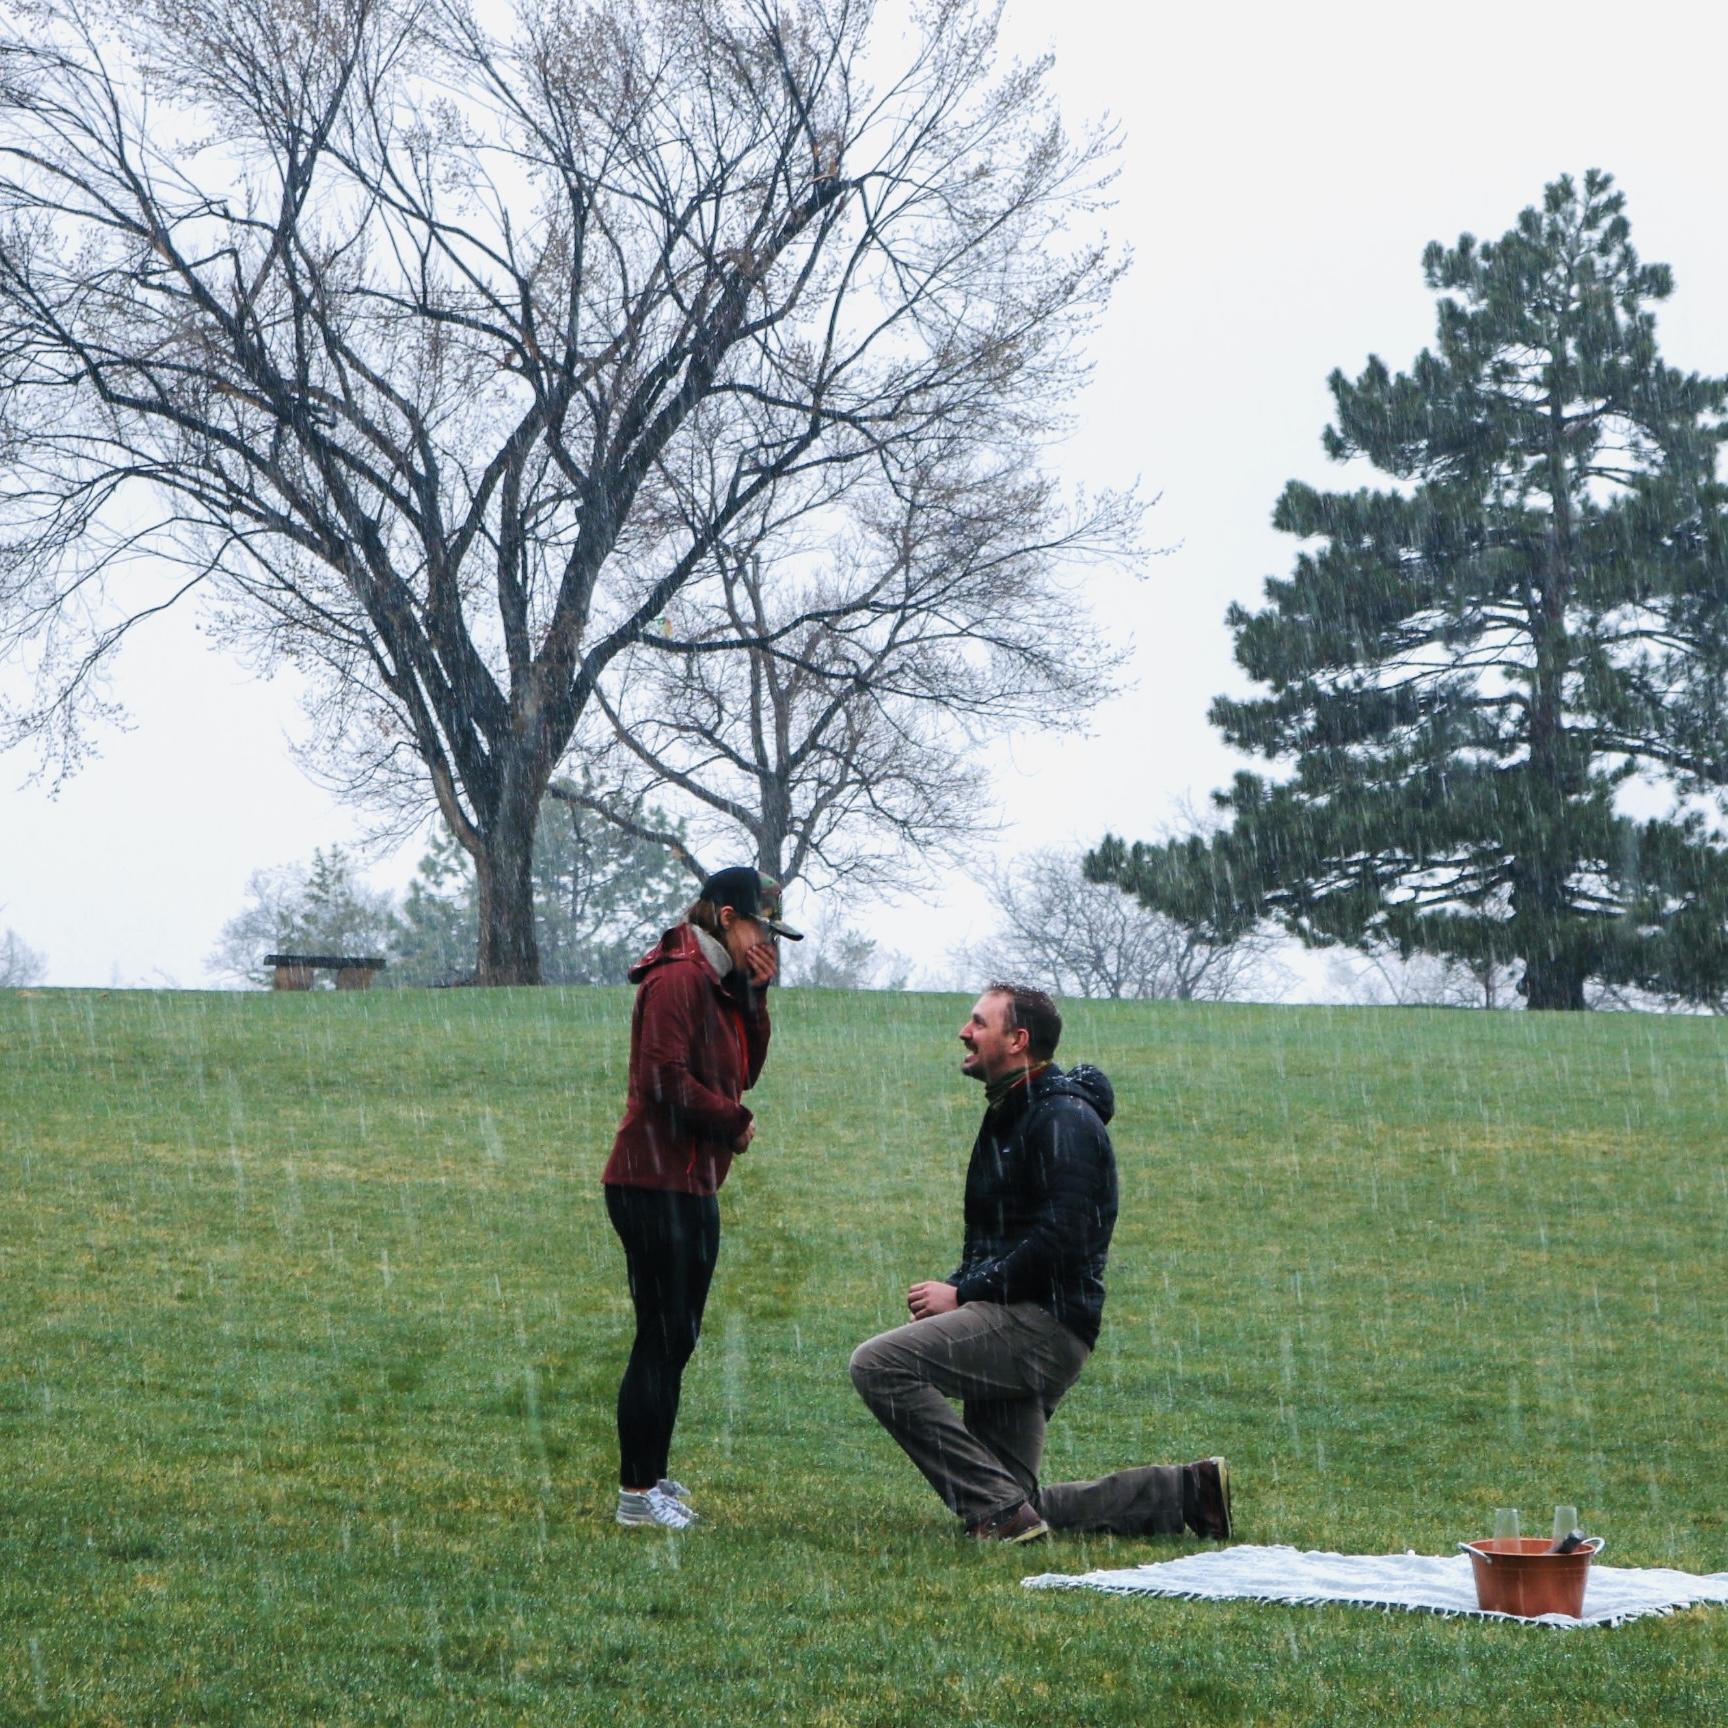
{"x": 670, "y": 1244}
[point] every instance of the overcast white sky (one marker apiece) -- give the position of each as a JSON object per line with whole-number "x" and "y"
{"x": 1283, "y": 169}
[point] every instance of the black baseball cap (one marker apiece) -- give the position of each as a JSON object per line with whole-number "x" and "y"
{"x": 751, "y": 893}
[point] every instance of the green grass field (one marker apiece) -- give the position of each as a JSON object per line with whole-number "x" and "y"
{"x": 313, "y": 1322}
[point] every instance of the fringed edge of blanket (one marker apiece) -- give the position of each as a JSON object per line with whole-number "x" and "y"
{"x": 1554, "y": 1622}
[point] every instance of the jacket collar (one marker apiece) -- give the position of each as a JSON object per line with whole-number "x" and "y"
{"x": 1011, "y": 1095}
{"x": 683, "y": 942}
{"x": 713, "y": 952}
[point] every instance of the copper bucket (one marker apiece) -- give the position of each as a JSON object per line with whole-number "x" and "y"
{"x": 1519, "y": 1575}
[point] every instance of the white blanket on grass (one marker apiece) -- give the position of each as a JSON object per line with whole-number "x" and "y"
{"x": 1436, "y": 1584}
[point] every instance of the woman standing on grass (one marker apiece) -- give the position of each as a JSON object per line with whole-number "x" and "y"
{"x": 697, "y": 1041}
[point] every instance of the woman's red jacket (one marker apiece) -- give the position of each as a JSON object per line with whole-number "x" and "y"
{"x": 696, "y": 1044}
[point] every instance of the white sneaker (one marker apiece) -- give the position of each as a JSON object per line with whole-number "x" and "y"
{"x": 676, "y": 1490}
{"x": 655, "y": 1507}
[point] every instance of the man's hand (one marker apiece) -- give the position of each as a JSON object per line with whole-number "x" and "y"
{"x": 932, "y": 1297}
{"x": 761, "y": 964}
{"x": 742, "y": 1143}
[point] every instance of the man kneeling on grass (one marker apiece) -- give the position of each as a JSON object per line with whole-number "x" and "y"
{"x": 1010, "y": 1331}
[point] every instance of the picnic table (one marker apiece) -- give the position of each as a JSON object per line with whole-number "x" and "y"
{"x": 296, "y": 971}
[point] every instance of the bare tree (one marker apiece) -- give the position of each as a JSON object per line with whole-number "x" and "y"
{"x": 1378, "y": 977}
{"x": 445, "y": 359}
{"x": 839, "y": 672}
{"x": 1083, "y": 938}
{"x": 20, "y": 964}
{"x": 835, "y": 955}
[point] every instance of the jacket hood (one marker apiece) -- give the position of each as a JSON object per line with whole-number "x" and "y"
{"x": 678, "y": 943}
{"x": 1090, "y": 1085}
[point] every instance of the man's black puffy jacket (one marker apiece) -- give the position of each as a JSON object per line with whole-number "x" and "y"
{"x": 1041, "y": 1199}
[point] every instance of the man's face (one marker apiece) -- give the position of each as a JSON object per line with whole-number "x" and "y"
{"x": 992, "y": 1048}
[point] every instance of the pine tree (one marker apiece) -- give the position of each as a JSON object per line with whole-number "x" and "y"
{"x": 437, "y": 931}
{"x": 600, "y": 898}
{"x": 323, "y": 907}
{"x": 1466, "y": 668}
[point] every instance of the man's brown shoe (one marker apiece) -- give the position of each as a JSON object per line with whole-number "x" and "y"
{"x": 1018, "y": 1524}
{"x": 1206, "y": 1503}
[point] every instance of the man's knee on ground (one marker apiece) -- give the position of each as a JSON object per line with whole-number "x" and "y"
{"x": 872, "y": 1366}
{"x": 863, "y": 1365}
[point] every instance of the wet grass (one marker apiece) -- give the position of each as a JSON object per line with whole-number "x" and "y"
{"x": 313, "y": 1321}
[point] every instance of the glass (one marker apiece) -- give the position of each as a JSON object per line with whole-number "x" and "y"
{"x": 1565, "y": 1522}
{"x": 1506, "y": 1526}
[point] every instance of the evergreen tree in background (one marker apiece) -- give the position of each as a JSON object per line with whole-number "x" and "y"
{"x": 433, "y": 935}
{"x": 601, "y": 896}
{"x": 600, "y": 899}
{"x": 20, "y": 964}
{"x": 316, "y": 908}
{"x": 1467, "y": 668}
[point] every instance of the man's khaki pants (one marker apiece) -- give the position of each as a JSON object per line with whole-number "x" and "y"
{"x": 1009, "y": 1365}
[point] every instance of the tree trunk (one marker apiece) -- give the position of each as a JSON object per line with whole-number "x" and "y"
{"x": 509, "y": 945}
{"x": 774, "y": 828}
{"x": 1550, "y": 983}
{"x": 1545, "y": 927}
{"x": 1544, "y": 921}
